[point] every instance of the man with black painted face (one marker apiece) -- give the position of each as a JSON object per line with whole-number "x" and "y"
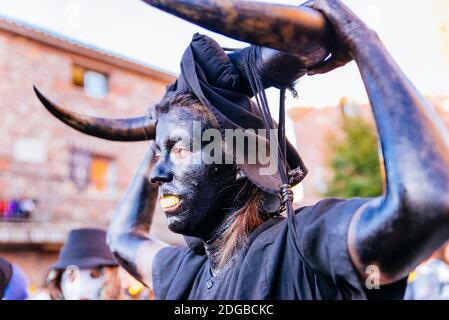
{"x": 191, "y": 194}
{"x": 239, "y": 245}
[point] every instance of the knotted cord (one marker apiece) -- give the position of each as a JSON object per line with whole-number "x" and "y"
{"x": 286, "y": 194}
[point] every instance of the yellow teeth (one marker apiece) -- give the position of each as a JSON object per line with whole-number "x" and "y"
{"x": 169, "y": 201}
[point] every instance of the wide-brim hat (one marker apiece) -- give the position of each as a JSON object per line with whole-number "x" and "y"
{"x": 85, "y": 248}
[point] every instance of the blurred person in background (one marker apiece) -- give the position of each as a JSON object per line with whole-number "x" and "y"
{"x": 132, "y": 288}
{"x": 85, "y": 270}
{"x": 430, "y": 281}
{"x": 13, "y": 282}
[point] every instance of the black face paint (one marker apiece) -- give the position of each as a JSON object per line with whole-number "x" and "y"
{"x": 196, "y": 196}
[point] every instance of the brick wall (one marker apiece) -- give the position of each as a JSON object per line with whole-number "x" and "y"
{"x": 25, "y": 62}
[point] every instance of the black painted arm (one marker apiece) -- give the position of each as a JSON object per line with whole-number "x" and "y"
{"x": 396, "y": 231}
{"x": 399, "y": 230}
{"x": 128, "y": 234}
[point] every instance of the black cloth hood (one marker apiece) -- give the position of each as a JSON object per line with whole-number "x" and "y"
{"x": 208, "y": 73}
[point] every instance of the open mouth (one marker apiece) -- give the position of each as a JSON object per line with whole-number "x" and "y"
{"x": 169, "y": 202}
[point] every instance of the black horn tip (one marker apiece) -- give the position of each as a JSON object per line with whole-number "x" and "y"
{"x": 42, "y": 98}
{"x": 38, "y": 93}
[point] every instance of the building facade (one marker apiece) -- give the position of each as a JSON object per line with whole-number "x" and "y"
{"x": 53, "y": 178}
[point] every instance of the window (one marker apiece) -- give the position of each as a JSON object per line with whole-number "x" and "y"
{"x": 95, "y": 83}
{"x": 92, "y": 171}
{"x": 102, "y": 174}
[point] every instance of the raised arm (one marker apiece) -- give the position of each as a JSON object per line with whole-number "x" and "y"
{"x": 396, "y": 231}
{"x": 128, "y": 234}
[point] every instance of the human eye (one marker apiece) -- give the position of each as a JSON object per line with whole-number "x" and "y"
{"x": 96, "y": 273}
{"x": 180, "y": 152}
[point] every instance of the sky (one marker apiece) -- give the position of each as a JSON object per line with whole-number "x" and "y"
{"x": 410, "y": 29}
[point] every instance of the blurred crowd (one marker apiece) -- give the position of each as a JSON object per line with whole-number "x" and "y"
{"x": 87, "y": 270}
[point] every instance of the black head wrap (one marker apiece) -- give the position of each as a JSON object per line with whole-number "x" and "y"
{"x": 209, "y": 74}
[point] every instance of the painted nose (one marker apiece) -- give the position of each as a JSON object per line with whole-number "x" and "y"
{"x": 161, "y": 174}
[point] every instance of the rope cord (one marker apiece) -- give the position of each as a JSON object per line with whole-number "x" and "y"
{"x": 250, "y": 57}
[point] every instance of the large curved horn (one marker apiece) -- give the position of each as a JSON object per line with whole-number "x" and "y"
{"x": 286, "y": 28}
{"x": 130, "y": 129}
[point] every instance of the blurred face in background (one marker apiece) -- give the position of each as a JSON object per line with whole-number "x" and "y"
{"x": 100, "y": 283}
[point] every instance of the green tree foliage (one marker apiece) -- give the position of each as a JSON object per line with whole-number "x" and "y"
{"x": 354, "y": 161}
